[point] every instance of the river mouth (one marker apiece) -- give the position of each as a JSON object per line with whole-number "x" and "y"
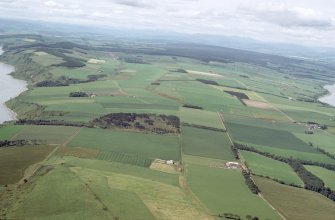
{"x": 330, "y": 98}
{"x": 9, "y": 88}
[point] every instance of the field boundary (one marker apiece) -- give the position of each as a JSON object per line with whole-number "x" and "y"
{"x": 245, "y": 167}
{"x": 71, "y": 137}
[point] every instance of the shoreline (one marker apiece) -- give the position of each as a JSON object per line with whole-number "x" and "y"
{"x": 328, "y": 98}
{"x": 12, "y": 115}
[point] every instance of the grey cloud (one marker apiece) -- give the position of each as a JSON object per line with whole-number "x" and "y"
{"x": 257, "y": 18}
{"x": 133, "y": 3}
{"x": 289, "y": 17}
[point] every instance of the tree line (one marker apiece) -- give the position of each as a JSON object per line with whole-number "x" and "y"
{"x": 52, "y": 122}
{"x": 120, "y": 120}
{"x": 65, "y": 81}
{"x": 326, "y": 153}
{"x": 10, "y": 143}
{"x": 250, "y": 183}
{"x": 203, "y": 127}
{"x": 311, "y": 182}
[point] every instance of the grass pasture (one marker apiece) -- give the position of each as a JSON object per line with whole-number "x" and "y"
{"x": 295, "y": 203}
{"x": 327, "y": 176}
{"x": 162, "y": 200}
{"x": 77, "y": 152}
{"x": 46, "y": 59}
{"x": 205, "y": 161}
{"x": 9, "y": 131}
{"x": 206, "y": 143}
{"x": 124, "y": 169}
{"x": 201, "y": 117}
{"x": 106, "y": 190}
{"x": 274, "y": 169}
{"x": 49, "y": 134}
{"x": 318, "y": 157}
{"x": 62, "y": 202}
{"x": 116, "y": 174}
{"x": 124, "y": 158}
{"x": 268, "y": 137}
{"x": 264, "y": 123}
{"x": 208, "y": 98}
{"x": 15, "y": 160}
{"x": 319, "y": 139}
{"x": 129, "y": 143}
{"x": 224, "y": 191}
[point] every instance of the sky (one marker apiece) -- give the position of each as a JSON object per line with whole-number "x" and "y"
{"x": 308, "y": 22}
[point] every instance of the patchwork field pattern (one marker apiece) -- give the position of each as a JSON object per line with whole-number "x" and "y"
{"x": 220, "y": 95}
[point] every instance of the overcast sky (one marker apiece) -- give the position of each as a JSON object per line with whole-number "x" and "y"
{"x": 296, "y": 21}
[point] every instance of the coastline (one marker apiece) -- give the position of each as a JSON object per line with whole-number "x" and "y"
{"x": 21, "y": 86}
{"x": 328, "y": 98}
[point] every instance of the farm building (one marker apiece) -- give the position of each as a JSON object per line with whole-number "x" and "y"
{"x": 170, "y": 162}
{"x": 233, "y": 165}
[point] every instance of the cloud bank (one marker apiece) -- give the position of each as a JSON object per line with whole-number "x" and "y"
{"x": 303, "y": 21}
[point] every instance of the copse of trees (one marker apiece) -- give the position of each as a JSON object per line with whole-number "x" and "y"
{"x": 239, "y": 95}
{"x": 78, "y": 94}
{"x": 95, "y": 77}
{"x": 129, "y": 120}
{"x": 236, "y": 217}
{"x": 179, "y": 70}
{"x": 135, "y": 60}
{"x": 10, "y": 143}
{"x": 209, "y": 82}
{"x": 192, "y": 106}
{"x": 71, "y": 63}
{"x": 65, "y": 81}
{"x": 51, "y": 83}
{"x": 171, "y": 119}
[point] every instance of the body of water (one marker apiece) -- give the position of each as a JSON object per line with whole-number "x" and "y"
{"x": 9, "y": 88}
{"x": 330, "y": 98}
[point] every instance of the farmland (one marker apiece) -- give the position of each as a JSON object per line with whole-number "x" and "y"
{"x": 296, "y": 203}
{"x": 206, "y": 143}
{"x": 154, "y": 126}
{"x": 327, "y": 176}
{"x": 14, "y": 161}
{"x": 146, "y": 145}
{"x": 264, "y": 166}
{"x": 227, "y": 184}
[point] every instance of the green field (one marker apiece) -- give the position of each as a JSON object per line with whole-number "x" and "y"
{"x": 295, "y": 203}
{"x": 201, "y": 117}
{"x": 96, "y": 201}
{"x": 221, "y": 191}
{"x": 268, "y": 167}
{"x": 124, "y": 169}
{"x": 7, "y": 132}
{"x": 107, "y": 190}
{"x": 318, "y": 157}
{"x": 319, "y": 139}
{"x": 132, "y": 143}
{"x": 46, "y": 133}
{"x": 206, "y": 143}
{"x": 94, "y": 173}
{"x": 15, "y": 160}
{"x": 268, "y": 137}
{"x": 327, "y": 176}
{"x": 124, "y": 158}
